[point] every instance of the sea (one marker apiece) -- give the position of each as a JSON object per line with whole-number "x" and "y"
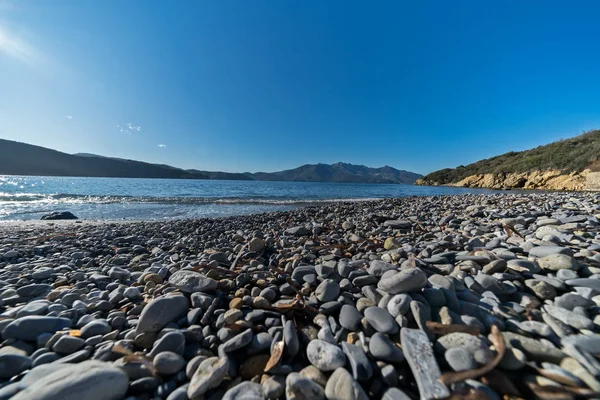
{"x": 30, "y": 197}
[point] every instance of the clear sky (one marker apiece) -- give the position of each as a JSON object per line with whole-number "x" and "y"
{"x": 269, "y": 85}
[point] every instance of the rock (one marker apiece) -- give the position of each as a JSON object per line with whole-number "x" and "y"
{"x": 328, "y": 290}
{"x": 541, "y": 289}
{"x": 298, "y": 231}
{"x": 399, "y": 305}
{"x": 394, "y": 394}
{"x": 298, "y": 387}
{"x": 159, "y": 312}
{"x": 68, "y": 345}
{"x": 556, "y": 262}
{"x": 191, "y": 282}
{"x": 168, "y": 363}
{"x": 324, "y": 355}
{"x": 474, "y": 345}
{"x": 570, "y": 318}
{"x": 534, "y": 350}
{"x": 460, "y": 359}
{"x": 238, "y": 341}
{"x": 274, "y": 387}
{"x": 349, "y": 317}
{"x": 545, "y": 251}
{"x": 419, "y": 354}
{"x": 256, "y": 245}
{"x": 392, "y": 243}
{"x": 398, "y": 224}
{"x": 381, "y": 320}
{"x": 13, "y": 364}
{"x": 404, "y": 281}
{"x": 56, "y": 215}
{"x": 90, "y": 380}
{"x": 245, "y": 391}
{"x": 382, "y": 348}
{"x": 341, "y": 386}
{"x": 360, "y": 364}
{"x": 210, "y": 374}
{"x": 30, "y": 327}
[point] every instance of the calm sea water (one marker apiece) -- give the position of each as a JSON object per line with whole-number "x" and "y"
{"x": 29, "y": 197}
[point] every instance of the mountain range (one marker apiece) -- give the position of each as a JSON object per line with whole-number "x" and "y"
{"x": 18, "y": 158}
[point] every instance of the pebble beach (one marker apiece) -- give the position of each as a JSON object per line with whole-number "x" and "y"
{"x": 463, "y": 296}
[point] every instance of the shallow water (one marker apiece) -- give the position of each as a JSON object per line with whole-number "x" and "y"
{"x": 29, "y": 197}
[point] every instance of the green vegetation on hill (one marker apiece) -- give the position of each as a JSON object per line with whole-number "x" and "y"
{"x": 568, "y": 155}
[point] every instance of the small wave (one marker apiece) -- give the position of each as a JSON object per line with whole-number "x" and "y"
{"x": 88, "y": 199}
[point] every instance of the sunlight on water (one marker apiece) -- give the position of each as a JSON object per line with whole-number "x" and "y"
{"x": 29, "y": 197}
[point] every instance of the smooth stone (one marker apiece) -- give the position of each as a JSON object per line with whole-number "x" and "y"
{"x": 471, "y": 343}
{"x": 245, "y": 391}
{"x": 191, "y": 282}
{"x": 566, "y": 274}
{"x": 90, "y": 380}
{"x": 94, "y": 328}
{"x": 570, "y": 318}
{"x": 290, "y": 337}
{"x": 328, "y": 290}
{"x": 587, "y": 343}
{"x": 395, "y": 394}
{"x": 534, "y": 350}
{"x": 571, "y": 300}
{"x": 399, "y": 305}
{"x": 298, "y": 387}
{"x": 382, "y": 348}
{"x": 460, "y": 359}
{"x": 585, "y": 282}
{"x": 545, "y": 251}
{"x": 342, "y": 386}
{"x": 421, "y": 360}
{"x": 398, "y": 224}
{"x": 274, "y": 387}
{"x": 238, "y": 341}
{"x": 209, "y": 374}
{"x": 13, "y": 364}
{"x": 349, "y": 317}
{"x": 30, "y": 327}
{"x": 68, "y": 345}
{"x": 324, "y": 355}
{"x": 541, "y": 289}
{"x": 168, "y": 363}
{"x": 403, "y": 281}
{"x": 381, "y": 320}
{"x": 556, "y": 262}
{"x": 378, "y": 267}
{"x": 160, "y": 312}
{"x": 360, "y": 364}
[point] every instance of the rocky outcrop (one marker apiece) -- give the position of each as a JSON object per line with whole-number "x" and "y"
{"x": 542, "y": 180}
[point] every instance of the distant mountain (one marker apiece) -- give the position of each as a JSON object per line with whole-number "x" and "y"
{"x": 339, "y": 172}
{"x": 25, "y": 159}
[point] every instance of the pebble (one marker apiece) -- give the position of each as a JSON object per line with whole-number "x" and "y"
{"x": 325, "y": 356}
{"x": 298, "y": 387}
{"x": 209, "y": 374}
{"x": 90, "y": 380}
{"x": 380, "y": 319}
{"x": 169, "y": 291}
{"x": 341, "y": 386}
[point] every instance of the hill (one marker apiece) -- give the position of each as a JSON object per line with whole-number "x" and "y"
{"x": 25, "y": 159}
{"x": 562, "y": 165}
{"x": 339, "y": 172}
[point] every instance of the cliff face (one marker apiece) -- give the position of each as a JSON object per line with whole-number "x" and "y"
{"x": 543, "y": 180}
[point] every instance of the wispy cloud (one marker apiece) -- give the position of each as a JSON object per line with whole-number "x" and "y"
{"x": 129, "y": 128}
{"x": 162, "y": 146}
{"x": 69, "y": 117}
{"x": 17, "y": 47}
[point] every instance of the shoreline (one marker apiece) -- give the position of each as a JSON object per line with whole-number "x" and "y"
{"x": 358, "y": 300}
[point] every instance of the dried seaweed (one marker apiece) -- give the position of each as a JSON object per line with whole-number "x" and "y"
{"x": 275, "y": 355}
{"x": 498, "y": 342}
{"x": 442, "y": 329}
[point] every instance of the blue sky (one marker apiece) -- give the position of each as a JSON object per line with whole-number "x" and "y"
{"x": 269, "y": 85}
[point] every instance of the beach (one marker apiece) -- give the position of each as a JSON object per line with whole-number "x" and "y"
{"x": 488, "y": 295}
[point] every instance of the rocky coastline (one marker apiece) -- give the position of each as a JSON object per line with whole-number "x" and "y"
{"x": 470, "y": 296}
